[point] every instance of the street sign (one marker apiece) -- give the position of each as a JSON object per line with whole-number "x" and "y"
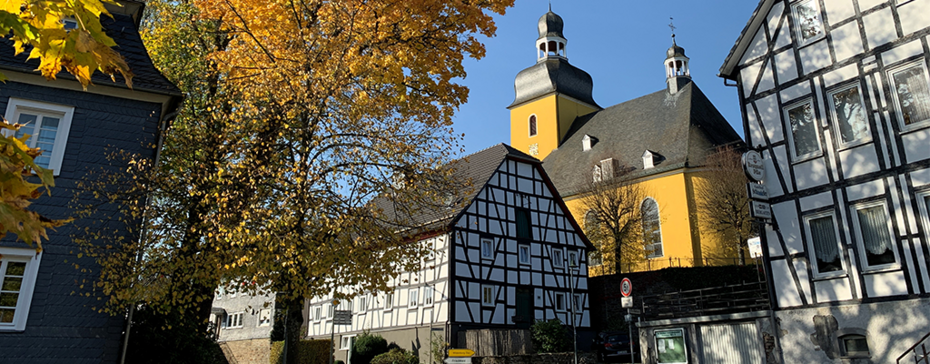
{"x": 753, "y": 165}
{"x": 760, "y": 210}
{"x": 626, "y": 287}
{"x": 342, "y": 317}
{"x": 757, "y": 191}
{"x": 458, "y": 360}
{"x": 461, "y": 352}
{"x": 626, "y": 302}
{"x": 755, "y": 247}
{"x": 636, "y": 311}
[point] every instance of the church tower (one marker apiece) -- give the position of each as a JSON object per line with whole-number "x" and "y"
{"x": 549, "y": 94}
{"x": 676, "y": 68}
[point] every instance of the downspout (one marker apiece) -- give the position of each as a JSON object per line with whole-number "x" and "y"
{"x": 162, "y": 130}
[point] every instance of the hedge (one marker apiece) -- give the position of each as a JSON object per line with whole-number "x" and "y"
{"x": 309, "y": 352}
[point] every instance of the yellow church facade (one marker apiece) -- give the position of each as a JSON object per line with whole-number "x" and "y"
{"x": 658, "y": 142}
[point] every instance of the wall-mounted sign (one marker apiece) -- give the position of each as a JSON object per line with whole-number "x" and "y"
{"x": 460, "y": 353}
{"x": 757, "y": 191}
{"x": 760, "y": 210}
{"x": 755, "y": 247}
{"x": 753, "y": 165}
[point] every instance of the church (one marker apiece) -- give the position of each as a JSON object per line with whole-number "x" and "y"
{"x": 655, "y": 143}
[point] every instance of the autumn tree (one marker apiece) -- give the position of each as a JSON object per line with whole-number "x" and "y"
{"x": 302, "y": 114}
{"x": 614, "y": 221}
{"x": 723, "y": 203}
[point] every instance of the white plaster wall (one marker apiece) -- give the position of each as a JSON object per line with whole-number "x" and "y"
{"x": 859, "y": 160}
{"x": 810, "y": 174}
{"x": 878, "y": 29}
{"x": 913, "y": 15}
{"x": 815, "y": 56}
{"x": 846, "y": 41}
{"x": 916, "y": 145}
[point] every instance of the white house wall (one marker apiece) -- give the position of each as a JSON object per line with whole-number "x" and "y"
{"x": 864, "y": 40}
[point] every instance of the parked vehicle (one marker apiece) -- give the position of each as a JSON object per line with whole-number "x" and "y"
{"x": 614, "y": 346}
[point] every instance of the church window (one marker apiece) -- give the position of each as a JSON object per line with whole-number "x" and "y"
{"x": 826, "y": 259}
{"x": 912, "y": 95}
{"x": 804, "y": 137}
{"x": 652, "y": 228}
{"x": 807, "y": 21}
{"x": 532, "y": 125}
{"x": 852, "y": 125}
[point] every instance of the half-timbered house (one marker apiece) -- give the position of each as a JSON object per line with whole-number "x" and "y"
{"x": 835, "y": 94}
{"x": 511, "y": 254}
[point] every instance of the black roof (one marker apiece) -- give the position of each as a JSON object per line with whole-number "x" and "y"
{"x": 553, "y": 75}
{"x": 122, "y": 28}
{"x": 682, "y": 128}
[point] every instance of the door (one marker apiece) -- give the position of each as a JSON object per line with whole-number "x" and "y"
{"x": 524, "y": 314}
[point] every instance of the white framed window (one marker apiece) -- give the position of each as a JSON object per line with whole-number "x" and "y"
{"x": 874, "y": 236}
{"x": 573, "y": 259}
{"x": 48, "y": 124}
{"x": 234, "y": 320}
{"x": 18, "y": 270}
{"x": 264, "y": 317}
{"x": 532, "y": 125}
{"x": 923, "y": 199}
{"x": 826, "y": 253}
{"x": 362, "y": 303}
{"x": 560, "y": 304}
{"x": 851, "y": 124}
{"x": 523, "y": 253}
{"x": 428, "y": 296}
{"x": 558, "y": 259}
{"x": 487, "y": 249}
{"x": 578, "y": 303}
{"x": 414, "y": 294}
{"x": 330, "y": 310}
{"x": 389, "y": 300}
{"x": 804, "y": 136}
{"x": 317, "y": 313}
{"x": 910, "y": 87}
{"x": 487, "y": 295}
{"x": 807, "y": 22}
{"x": 345, "y": 342}
{"x": 652, "y": 228}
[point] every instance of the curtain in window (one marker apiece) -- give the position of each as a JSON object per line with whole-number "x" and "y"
{"x": 913, "y": 94}
{"x": 823, "y": 236}
{"x": 873, "y": 226}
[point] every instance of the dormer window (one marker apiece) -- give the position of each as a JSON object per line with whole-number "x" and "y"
{"x": 649, "y": 160}
{"x": 532, "y": 125}
{"x": 607, "y": 168}
{"x": 597, "y": 173}
{"x": 587, "y": 142}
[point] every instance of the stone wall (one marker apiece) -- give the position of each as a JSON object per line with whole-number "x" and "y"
{"x": 254, "y": 351}
{"x": 558, "y": 358}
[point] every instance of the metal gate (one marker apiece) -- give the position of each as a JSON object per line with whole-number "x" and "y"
{"x": 732, "y": 343}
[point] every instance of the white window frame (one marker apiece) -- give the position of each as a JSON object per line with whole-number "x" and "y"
{"x": 797, "y": 24}
{"x": 428, "y": 296}
{"x": 795, "y": 158}
{"x": 486, "y": 299}
{"x": 489, "y": 250}
{"x": 573, "y": 262}
{"x": 345, "y": 342}
{"x": 836, "y": 119}
{"x": 860, "y": 244}
{"x": 317, "y": 313}
{"x": 330, "y": 310}
{"x": 27, "y": 288}
{"x": 264, "y": 317}
{"x": 389, "y": 300}
{"x": 813, "y": 252}
{"x": 16, "y": 105}
{"x": 558, "y": 261}
{"x": 521, "y": 248}
{"x": 413, "y": 295}
{"x": 236, "y": 317}
{"x": 894, "y": 95}
{"x": 559, "y": 297}
{"x": 652, "y": 255}
{"x": 924, "y": 213}
{"x": 362, "y": 303}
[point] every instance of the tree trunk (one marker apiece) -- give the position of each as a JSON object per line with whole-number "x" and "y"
{"x": 294, "y": 320}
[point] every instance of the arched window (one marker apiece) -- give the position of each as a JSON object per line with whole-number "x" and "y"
{"x": 652, "y": 229}
{"x": 591, "y": 229}
{"x": 532, "y": 125}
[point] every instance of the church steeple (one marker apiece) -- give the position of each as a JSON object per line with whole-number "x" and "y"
{"x": 551, "y": 42}
{"x": 677, "y": 74}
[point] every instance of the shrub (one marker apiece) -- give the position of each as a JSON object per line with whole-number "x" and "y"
{"x": 366, "y": 347}
{"x": 308, "y": 352}
{"x": 396, "y": 356}
{"x": 157, "y": 338}
{"x": 549, "y": 336}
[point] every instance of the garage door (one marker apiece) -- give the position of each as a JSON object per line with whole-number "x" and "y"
{"x": 736, "y": 344}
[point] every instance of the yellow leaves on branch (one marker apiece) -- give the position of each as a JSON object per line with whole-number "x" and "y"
{"x": 80, "y": 51}
{"x": 16, "y": 192}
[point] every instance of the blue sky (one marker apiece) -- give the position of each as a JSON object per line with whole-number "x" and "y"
{"x": 620, "y": 43}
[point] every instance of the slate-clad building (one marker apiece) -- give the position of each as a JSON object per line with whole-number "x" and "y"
{"x": 501, "y": 260}
{"x": 44, "y": 315}
{"x": 835, "y": 94}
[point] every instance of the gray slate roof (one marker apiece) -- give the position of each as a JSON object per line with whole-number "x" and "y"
{"x": 682, "y": 128}
{"x": 553, "y": 75}
{"x": 123, "y": 30}
{"x": 550, "y": 25}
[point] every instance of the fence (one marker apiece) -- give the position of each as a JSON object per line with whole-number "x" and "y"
{"x": 670, "y": 262}
{"x": 920, "y": 352}
{"x": 489, "y": 342}
{"x": 744, "y": 297}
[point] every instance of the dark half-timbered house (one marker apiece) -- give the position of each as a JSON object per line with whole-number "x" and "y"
{"x": 835, "y": 94}
{"x": 510, "y": 255}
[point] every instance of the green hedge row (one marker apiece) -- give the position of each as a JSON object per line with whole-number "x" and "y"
{"x": 309, "y": 352}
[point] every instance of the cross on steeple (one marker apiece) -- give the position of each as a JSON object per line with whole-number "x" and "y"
{"x": 671, "y": 25}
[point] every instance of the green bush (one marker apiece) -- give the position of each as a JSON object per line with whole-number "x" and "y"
{"x": 366, "y": 347}
{"x": 308, "y": 352}
{"x": 396, "y": 356}
{"x": 550, "y": 336}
